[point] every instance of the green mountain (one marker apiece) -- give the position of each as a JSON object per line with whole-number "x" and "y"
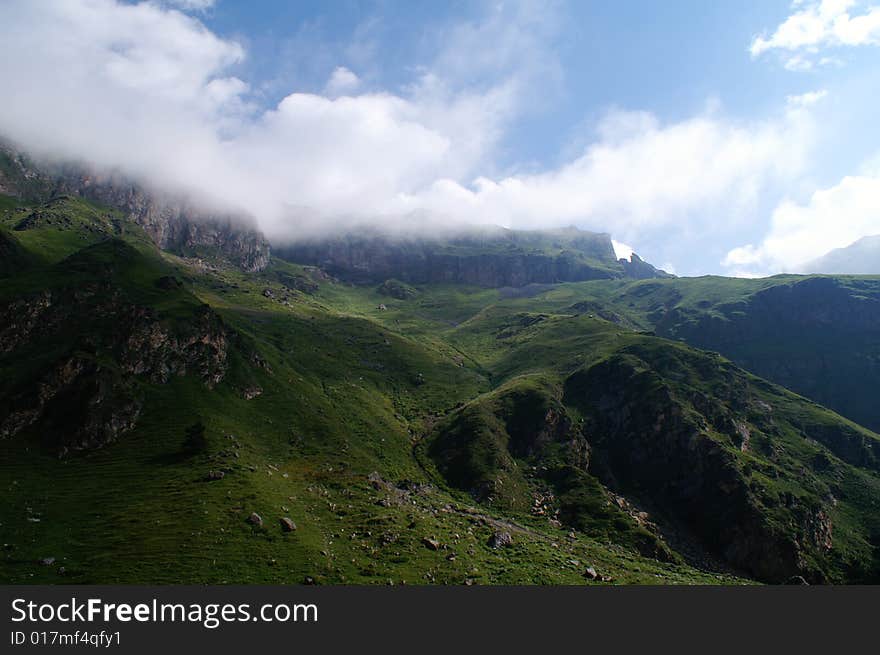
{"x": 816, "y": 335}
{"x": 172, "y": 416}
{"x": 488, "y": 257}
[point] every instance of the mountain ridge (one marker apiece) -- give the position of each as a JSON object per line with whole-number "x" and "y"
{"x": 862, "y": 257}
{"x": 152, "y": 404}
{"x": 496, "y": 257}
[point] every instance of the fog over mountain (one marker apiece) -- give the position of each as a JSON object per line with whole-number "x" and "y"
{"x": 859, "y": 258}
{"x": 150, "y": 91}
{"x": 484, "y": 117}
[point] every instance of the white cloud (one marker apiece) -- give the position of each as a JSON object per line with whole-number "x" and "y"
{"x": 816, "y": 25}
{"x": 806, "y": 99}
{"x": 190, "y": 5}
{"x": 641, "y": 178}
{"x": 342, "y": 82}
{"x": 621, "y": 250}
{"x": 148, "y": 90}
{"x": 832, "y": 218}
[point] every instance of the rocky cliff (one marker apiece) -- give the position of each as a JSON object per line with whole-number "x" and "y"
{"x": 836, "y": 349}
{"x": 488, "y": 258}
{"x": 89, "y": 347}
{"x": 689, "y": 432}
{"x": 173, "y": 222}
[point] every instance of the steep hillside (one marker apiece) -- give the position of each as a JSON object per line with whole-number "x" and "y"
{"x": 816, "y": 335}
{"x": 173, "y": 222}
{"x": 819, "y": 336}
{"x": 491, "y": 257}
{"x": 161, "y": 416}
{"x": 178, "y": 419}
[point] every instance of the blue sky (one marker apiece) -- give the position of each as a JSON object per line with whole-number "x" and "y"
{"x": 733, "y": 137}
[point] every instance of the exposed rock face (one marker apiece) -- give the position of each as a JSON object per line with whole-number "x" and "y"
{"x": 638, "y": 269}
{"x": 172, "y": 222}
{"x": 496, "y": 258}
{"x": 500, "y": 539}
{"x": 157, "y": 352}
{"x": 175, "y": 224}
{"x": 679, "y": 448}
{"x": 79, "y": 401}
{"x": 519, "y": 448}
{"x": 80, "y": 404}
{"x": 477, "y": 446}
{"x": 836, "y": 350}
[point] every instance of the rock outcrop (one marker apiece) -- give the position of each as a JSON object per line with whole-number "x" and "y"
{"x": 658, "y": 437}
{"x": 836, "y": 322}
{"x": 174, "y": 222}
{"x": 88, "y": 396}
{"x": 491, "y": 258}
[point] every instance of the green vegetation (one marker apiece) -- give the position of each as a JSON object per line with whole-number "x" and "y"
{"x": 151, "y": 403}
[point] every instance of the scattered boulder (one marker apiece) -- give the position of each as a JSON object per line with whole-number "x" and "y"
{"x": 382, "y": 307}
{"x": 215, "y": 475}
{"x": 252, "y": 392}
{"x": 430, "y": 543}
{"x": 500, "y": 540}
{"x": 47, "y": 561}
{"x": 377, "y": 482}
{"x": 286, "y": 524}
{"x": 255, "y": 520}
{"x": 591, "y": 574}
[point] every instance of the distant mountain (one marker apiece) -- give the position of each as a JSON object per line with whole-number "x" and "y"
{"x": 859, "y": 258}
{"x": 488, "y": 257}
{"x": 816, "y": 335}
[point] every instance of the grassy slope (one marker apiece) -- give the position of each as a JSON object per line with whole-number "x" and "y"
{"x": 511, "y": 339}
{"x": 348, "y": 394}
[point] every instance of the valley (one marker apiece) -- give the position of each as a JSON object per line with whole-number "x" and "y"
{"x": 175, "y": 412}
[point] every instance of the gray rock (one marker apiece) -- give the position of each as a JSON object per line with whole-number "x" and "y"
{"x": 500, "y": 540}
{"x": 286, "y": 524}
{"x": 252, "y": 392}
{"x": 255, "y": 520}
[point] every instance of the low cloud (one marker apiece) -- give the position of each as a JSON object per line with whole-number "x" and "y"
{"x": 148, "y": 91}
{"x": 800, "y": 232}
{"x": 640, "y": 179}
{"x": 621, "y": 250}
